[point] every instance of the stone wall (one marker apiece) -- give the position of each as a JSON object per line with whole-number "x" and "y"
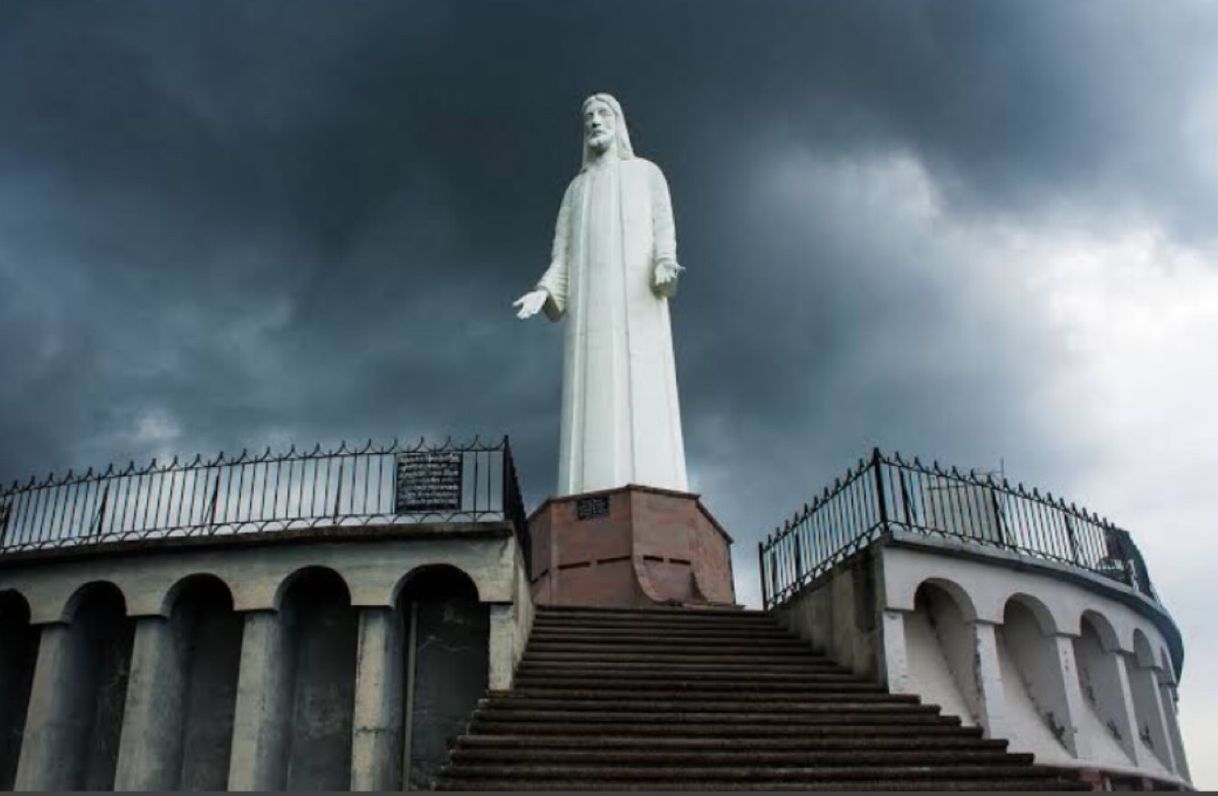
{"x": 328, "y": 660}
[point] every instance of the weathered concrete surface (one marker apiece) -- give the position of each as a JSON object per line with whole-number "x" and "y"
{"x": 262, "y": 699}
{"x": 259, "y": 745}
{"x": 150, "y": 748}
{"x": 372, "y": 565}
{"x": 376, "y": 744}
{"x": 210, "y": 634}
{"x": 839, "y": 617}
{"x": 324, "y": 630}
{"x": 450, "y": 674}
{"x": 995, "y": 639}
{"x": 652, "y": 547}
{"x": 77, "y": 700}
{"x": 18, "y": 657}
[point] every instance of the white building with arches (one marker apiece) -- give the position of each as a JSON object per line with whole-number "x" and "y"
{"x": 1015, "y": 611}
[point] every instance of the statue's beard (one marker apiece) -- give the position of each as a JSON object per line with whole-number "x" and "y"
{"x": 600, "y": 142}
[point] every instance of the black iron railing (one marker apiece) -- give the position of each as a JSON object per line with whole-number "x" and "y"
{"x": 347, "y": 486}
{"x": 884, "y": 493}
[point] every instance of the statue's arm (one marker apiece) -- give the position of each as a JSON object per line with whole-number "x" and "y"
{"x": 554, "y": 280}
{"x": 665, "y": 233}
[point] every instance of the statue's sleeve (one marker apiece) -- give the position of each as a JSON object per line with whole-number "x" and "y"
{"x": 554, "y": 280}
{"x": 663, "y": 228}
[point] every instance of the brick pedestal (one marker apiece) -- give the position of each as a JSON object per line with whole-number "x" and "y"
{"x": 631, "y": 547}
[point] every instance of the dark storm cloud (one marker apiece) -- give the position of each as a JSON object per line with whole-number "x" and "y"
{"x": 306, "y": 220}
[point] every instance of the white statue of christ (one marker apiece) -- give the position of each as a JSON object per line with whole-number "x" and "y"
{"x": 612, "y": 271}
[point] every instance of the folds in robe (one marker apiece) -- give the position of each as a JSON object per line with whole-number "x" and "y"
{"x": 621, "y": 420}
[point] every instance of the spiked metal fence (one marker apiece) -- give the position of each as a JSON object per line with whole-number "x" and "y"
{"x": 346, "y": 486}
{"x": 884, "y": 493}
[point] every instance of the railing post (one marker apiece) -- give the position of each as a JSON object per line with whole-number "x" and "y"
{"x": 876, "y": 463}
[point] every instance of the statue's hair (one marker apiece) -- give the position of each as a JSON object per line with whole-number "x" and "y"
{"x": 624, "y": 150}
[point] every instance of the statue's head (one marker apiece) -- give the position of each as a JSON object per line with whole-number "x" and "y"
{"x": 605, "y": 128}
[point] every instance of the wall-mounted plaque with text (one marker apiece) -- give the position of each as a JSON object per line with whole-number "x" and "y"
{"x": 428, "y": 481}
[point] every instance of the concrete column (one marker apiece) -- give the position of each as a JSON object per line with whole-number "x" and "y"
{"x": 501, "y": 646}
{"x": 150, "y": 746}
{"x": 1125, "y": 716}
{"x": 895, "y": 659}
{"x": 1167, "y": 695}
{"x": 1072, "y": 697}
{"x": 50, "y": 755}
{"x": 990, "y": 695}
{"x": 376, "y": 743}
{"x": 260, "y": 718}
{"x": 1144, "y": 684}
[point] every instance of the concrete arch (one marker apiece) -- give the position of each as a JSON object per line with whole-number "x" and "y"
{"x": 174, "y": 592}
{"x": 1045, "y": 620}
{"x": 13, "y": 604}
{"x": 1168, "y": 674}
{"x": 1142, "y": 650}
{"x": 286, "y": 583}
{"x": 75, "y": 600}
{"x": 423, "y": 570}
{"x": 1104, "y": 629}
{"x": 960, "y": 596}
{"x": 18, "y": 657}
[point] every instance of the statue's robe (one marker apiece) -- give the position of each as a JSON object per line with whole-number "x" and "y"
{"x": 621, "y": 422}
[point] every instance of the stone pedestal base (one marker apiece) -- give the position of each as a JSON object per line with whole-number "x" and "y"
{"x": 631, "y": 547}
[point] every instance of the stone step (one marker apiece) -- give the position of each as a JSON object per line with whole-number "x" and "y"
{"x": 694, "y": 635}
{"x": 740, "y": 677}
{"x": 684, "y": 696}
{"x": 670, "y": 647}
{"x": 751, "y": 757}
{"x": 944, "y": 727}
{"x": 675, "y": 699}
{"x": 959, "y": 740}
{"x": 648, "y": 626}
{"x": 724, "y": 706}
{"x": 682, "y": 666}
{"x": 867, "y": 785}
{"x": 795, "y": 657}
{"x": 742, "y": 774}
{"x": 586, "y": 614}
{"x": 890, "y": 715}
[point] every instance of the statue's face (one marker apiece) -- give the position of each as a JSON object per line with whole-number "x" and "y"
{"x": 600, "y": 125}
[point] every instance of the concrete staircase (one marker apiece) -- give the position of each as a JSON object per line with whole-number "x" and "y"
{"x": 676, "y": 699}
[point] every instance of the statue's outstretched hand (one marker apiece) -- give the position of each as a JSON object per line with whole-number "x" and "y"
{"x": 530, "y": 303}
{"x": 664, "y": 279}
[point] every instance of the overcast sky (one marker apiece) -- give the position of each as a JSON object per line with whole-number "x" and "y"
{"x": 978, "y": 232}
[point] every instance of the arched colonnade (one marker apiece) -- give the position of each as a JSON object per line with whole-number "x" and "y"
{"x": 202, "y": 682}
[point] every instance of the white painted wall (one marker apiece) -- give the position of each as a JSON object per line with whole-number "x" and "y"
{"x": 1072, "y": 692}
